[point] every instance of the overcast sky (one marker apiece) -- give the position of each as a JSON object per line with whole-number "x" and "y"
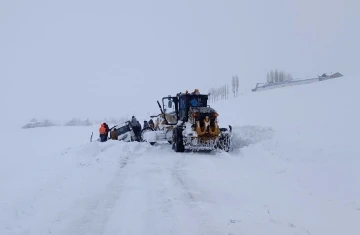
{"x": 64, "y": 59}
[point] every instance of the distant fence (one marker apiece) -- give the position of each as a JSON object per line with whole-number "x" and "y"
{"x": 261, "y": 86}
{"x": 284, "y": 84}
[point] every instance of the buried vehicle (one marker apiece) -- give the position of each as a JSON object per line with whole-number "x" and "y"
{"x": 189, "y": 123}
{"x": 124, "y": 130}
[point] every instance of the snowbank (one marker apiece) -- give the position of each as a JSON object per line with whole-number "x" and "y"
{"x": 321, "y": 110}
{"x": 308, "y": 171}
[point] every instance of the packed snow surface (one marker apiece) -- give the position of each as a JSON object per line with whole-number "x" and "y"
{"x": 294, "y": 170}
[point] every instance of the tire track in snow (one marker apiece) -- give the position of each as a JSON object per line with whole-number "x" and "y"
{"x": 206, "y": 225}
{"x": 98, "y": 210}
{"x": 148, "y": 202}
{"x": 298, "y": 230}
{"x": 152, "y": 201}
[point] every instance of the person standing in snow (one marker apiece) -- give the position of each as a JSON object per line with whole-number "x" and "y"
{"x": 136, "y": 127}
{"x": 146, "y": 124}
{"x": 107, "y": 131}
{"x": 102, "y": 131}
{"x": 134, "y": 121}
{"x": 196, "y": 92}
{"x": 151, "y": 123}
{"x": 114, "y": 134}
{"x": 139, "y": 130}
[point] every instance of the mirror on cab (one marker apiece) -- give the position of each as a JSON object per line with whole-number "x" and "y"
{"x": 170, "y": 112}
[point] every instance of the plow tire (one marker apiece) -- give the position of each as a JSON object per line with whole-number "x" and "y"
{"x": 178, "y": 143}
{"x": 224, "y": 143}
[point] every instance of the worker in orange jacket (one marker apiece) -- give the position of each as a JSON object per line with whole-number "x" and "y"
{"x": 103, "y": 133}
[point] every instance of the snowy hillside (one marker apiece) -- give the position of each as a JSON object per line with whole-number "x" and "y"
{"x": 294, "y": 170}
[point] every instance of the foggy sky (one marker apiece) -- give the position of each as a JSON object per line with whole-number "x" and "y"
{"x": 64, "y": 59}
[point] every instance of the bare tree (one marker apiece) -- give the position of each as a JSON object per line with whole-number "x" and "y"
{"x": 289, "y": 77}
{"x": 272, "y": 76}
{"x": 237, "y": 85}
{"x": 278, "y": 76}
{"x": 223, "y": 91}
{"x": 227, "y": 90}
{"x": 269, "y": 78}
{"x": 281, "y": 76}
{"x": 213, "y": 92}
{"x": 233, "y": 84}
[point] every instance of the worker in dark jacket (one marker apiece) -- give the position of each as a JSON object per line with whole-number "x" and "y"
{"x": 151, "y": 124}
{"x": 146, "y": 125}
{"x": 107, "y": 131}
{"x": 114, "y": 134}
{"x": 134, "y": 121}
{"x": 136, "y": 127}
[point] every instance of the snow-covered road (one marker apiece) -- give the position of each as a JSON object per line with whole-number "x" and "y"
{"x": 135, "y": 188}
{"x": 112, "y": 188}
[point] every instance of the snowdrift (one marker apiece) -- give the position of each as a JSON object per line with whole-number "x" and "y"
{"x": 294, "y": 170}
{"x": 324, "y": 111}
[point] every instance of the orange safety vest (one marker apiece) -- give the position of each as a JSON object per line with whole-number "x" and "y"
{"x": 102, "y": 129}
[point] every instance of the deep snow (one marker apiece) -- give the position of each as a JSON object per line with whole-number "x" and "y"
{"x": 294, "y": 170}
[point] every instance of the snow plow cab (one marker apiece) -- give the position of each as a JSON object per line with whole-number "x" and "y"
{"x": 195, "y": 124}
